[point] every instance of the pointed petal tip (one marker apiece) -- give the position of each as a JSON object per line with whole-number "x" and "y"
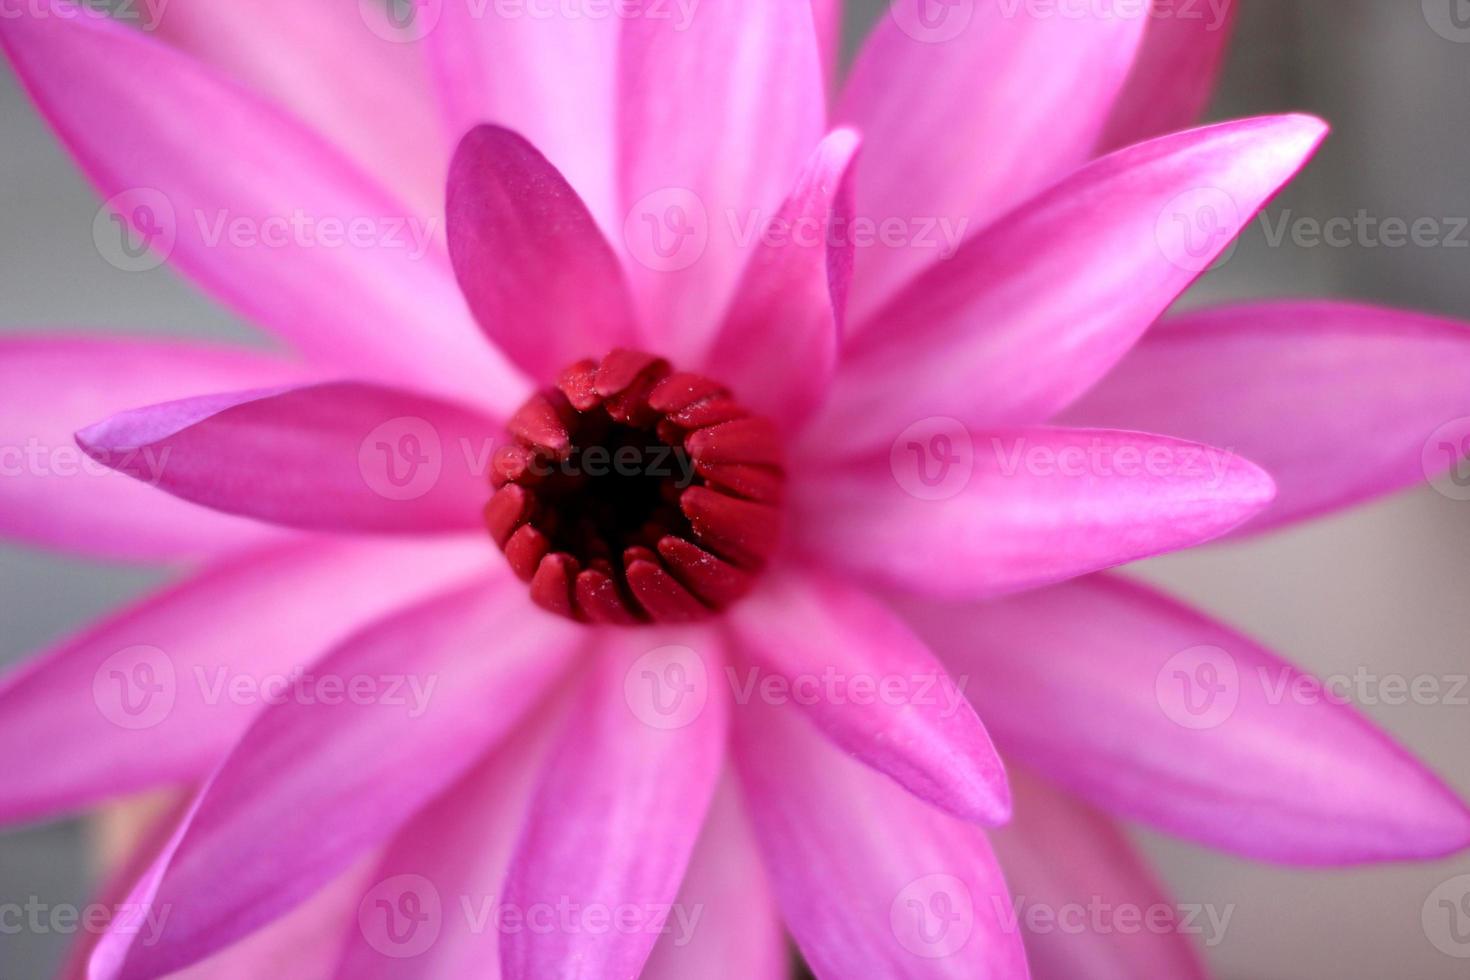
{"x": 108, "y": 444}
{"x": 91, "y": 438}
{"x": 980, "y": 791}
{"x": 113, "y": 434}
{"x": 991, "y": 803}
{"x": 1304, "y": 133}
{"x": 846, "y": 138}
{"x": 1414, "y": 816}
{"x": 1294, "y": 137}
{"x": 109, "y": 440}
{"x": 507, "y": 205}
{"x": 1363, "y": 385}
{"x": 1242, "y": 488}
{"x": 915, "y": 723}
{"x": 1313, "y": 127}
{"x": 1437, "y": 826}
{"x": 141, "y": 153}
{"x": 481, "y": 133}
{"x": 1427, "y": 826}
{"x": 1456, "y": 841}
{"x": 1254, "y": 486}
{"x": 1308, "y": 129}
{"x": 1304, "y": 781}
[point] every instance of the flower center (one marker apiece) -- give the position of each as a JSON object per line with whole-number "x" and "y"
{"x": 633, "y": 493}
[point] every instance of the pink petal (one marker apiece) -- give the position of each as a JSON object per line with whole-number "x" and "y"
{"x": 778, "y": 345}
{"x": 957, "y": 515}
{"x": 1030, "y": 314}
{"x": 718, "y": 112}
{"x": 1150, "y": 710}
{"x": 872, "y": 881}
{"x": 449, "y": 863}
{"x": 553, "y": 80}
{"x": 253, "y": 206}
{"x": 342, "y": 67}
{"x": 970, "y": 108}
{"x": 1339, "y": 403}
{"x": 332, "y": 774}
{"x": 738, "y": 934}
{"x": 1172, "y": 80}
{"x": 302, "y": 944}
{"x": 151, "y": 830}
{"x": 615, "y": 817}
{"x": 52, "y": 495}
{"x": 343, "y": 456}
{"x": 541, "y": 279}
{"x": 1073, "y": 865}
{"x": 872, "y": 687}
{"x": 158, "y": 693}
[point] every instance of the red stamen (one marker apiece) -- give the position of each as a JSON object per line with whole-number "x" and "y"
{"x": 525, "y": 549}
{"x": 737, "y": 529}
{"x": 711, "y": 411}
{"x": 682, "y": 389}
{"x": 744, "y": 440}
{"x": 599, "y": 599}
{"x": 541, "y": 423}
{"x": 632, "y": 494}
{"x": 512, "y": 465}
{"x": 665, "y": 599}
{"x": 551, "y": 586}
{"x": 620, "y": 368}
{"x": 717, "y": 582}
{"x": 579, "y": 384}
{"x": 762, "y": 483}
{"x": 506, "y": 511}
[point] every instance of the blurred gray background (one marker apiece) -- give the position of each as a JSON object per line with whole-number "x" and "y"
{"x": 1386, "y": 588}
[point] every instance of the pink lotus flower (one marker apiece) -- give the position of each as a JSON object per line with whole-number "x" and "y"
{"x": 905, "y": 470}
